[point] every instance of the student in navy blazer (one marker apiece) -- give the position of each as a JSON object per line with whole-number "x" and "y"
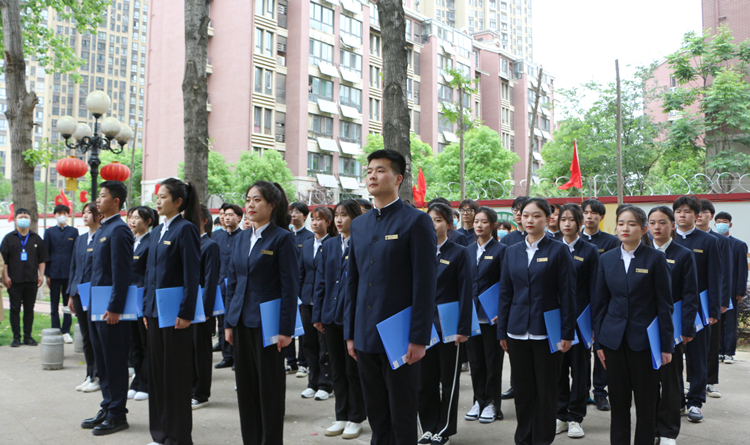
{"x": 684, "y": 289}
{"x": 328, "y": 318}
{"x": 299, "y": 213}
{"x": 110, "y": 266}
{"x": 519, "y": 235}
{"x": 634, "y": 287}
{"x": 739, "y": 288}
{"x": 467, "y": 208}
{"x": 573, "y": 385}
{"x": 263, "y": 268}
{"x": 173, "y": 262}
{"x": 441, "y": 368}
{"x": 80, "y": 272}
{"x": 226, "y": 239}
{"x": 59, "y": 241}
{"x": 454, "y": 235}
{"x": 537, "y": 276}
{"x": 485, "y": 353}
{"x": 313, "y": 343}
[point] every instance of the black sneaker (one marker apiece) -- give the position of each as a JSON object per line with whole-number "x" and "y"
{"x": 28, "y": 341}
{"x": 425, "y": 439}
{"x": 15, "y": 343}
{"x": 602, "y": 404}
{"x": 507, "y": 395}
{"x": 437, "y": 439}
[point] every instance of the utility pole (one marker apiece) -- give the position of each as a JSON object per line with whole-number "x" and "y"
{"x": 619, "y": 135}
{"x": 538, "y": 91}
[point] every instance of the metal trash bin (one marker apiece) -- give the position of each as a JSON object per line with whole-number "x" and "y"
{"x": 53, "y": 349}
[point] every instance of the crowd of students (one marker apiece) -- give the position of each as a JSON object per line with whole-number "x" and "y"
{"x": 364, "y": 262}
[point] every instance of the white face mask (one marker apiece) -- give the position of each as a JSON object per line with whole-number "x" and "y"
{"x": 62, "y": 219}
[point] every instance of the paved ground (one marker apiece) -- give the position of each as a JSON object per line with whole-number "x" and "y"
{"x": 42, "y": 407}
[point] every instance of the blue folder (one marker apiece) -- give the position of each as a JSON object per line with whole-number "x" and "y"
{"x": 448, "y": 314}
{"x": 139, "y": 301}
{"x": 731, "y": 304}
{"x": 219, "y": 303}
{"x": 698, "y": 322}
{"x": 298, "y": 329}
{"x": 168, "y": 301}
{"x": 704, "y": 307}
{"x": 584, "y": 326}
{"x": 394, "y": 332}
{"x": 490, "y": 300}
{"x": 553, "y": 321}
{"x": 84, "y": 293}
{"x": 270, "y": 315}
{"x": 677, "y": 322}
{"x": 475, "y": 330}
{"x": 200, "y": 311}
{"x": 654, "y": 340}
{"x": 100, "y": 296}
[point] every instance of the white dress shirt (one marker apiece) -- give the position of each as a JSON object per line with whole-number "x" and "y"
{"x": 137, "y": 242}
{"x": 685, "y": 234}
{"x": 296, "y": 230}
{"x": 571, "y": 246}
{"x": 441, "y": 245}
{"x": 316, "y": 244}
{"x": 107, "y": 219}
{"x": 344, "y": 244}
{"x": 480, "y": 249}
{"x": 256, "y": 235}
{"x": 664, "y": 247}
{"x": 589, "y": 236}
{"x": 91, "y": 237}
{"x": 165, "y": 227}
{"x": 530, "y": 251}
{"x": 627, "y": 256}
{"x": 379, "y": 210}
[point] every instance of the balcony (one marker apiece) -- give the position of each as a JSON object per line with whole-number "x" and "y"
{"x": 208, "y": 103}
{"x": 210, "y": 28}
{"x": 209, "y": 66}
{"x": 451, "y": 5}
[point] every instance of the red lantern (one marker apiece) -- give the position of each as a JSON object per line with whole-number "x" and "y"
{"x": 115, "y": 172}
{"x": 71, "y": 168}
{"x": 84, "y": 196}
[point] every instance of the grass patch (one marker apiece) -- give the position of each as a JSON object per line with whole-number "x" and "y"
{"x": 41, "y": 321}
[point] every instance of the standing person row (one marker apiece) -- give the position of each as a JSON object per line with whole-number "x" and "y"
{"x": 467, "y": 209}
{"x": 59, "y": 241}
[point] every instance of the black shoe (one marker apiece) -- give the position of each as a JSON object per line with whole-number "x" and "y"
{"x": 602, "y": 404}
{"x": 226, "y": 363}
{"x": 217, "y": 347}
{"x": 28, "y": 341}
{"x": 110, "y": 426}
{"x": 95, "y": 421}
{"x": 507, "y": 394}
{"x": 499, "y": 414}
{"x": 15, "y": 343}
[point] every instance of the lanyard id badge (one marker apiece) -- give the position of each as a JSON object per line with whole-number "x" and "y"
{"x": 24, "y": 255}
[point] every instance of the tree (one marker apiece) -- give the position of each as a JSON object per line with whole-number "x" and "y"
{"x": 195, "y": 95}
{"x": 485, "y": 159}
{"x": 220, "y": 177}
{"x": 421, "y": 155}
{"x": 24, "y": 35}
{"x": 269, "y": 167}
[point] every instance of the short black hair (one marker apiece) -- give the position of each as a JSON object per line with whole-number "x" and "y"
{"x": 398, "y": 162}
{"x": 439, "y": 199}
{"x": 216, "y": 221}
{"x": 491, "y": 217}
{"x": 518, "y": 202}
{"x": 555, "y": 207}
{"x": 117, "y": 190}
{"x": 224, "y": 206}
{"x": 21, "y": 211}
{"x": 539, "y": 202}
{"x": 235, "y": 208}
{"x": 595, "y": 205}
{"x": 708, "y": 205}
{"x": 443, "y": 210}
{"x": 724, "y": 215}
{"x": 301, "y": 207}
{"x": 61, "y": 208}
{"x": 662, "y": 209}
{"x": 688, "y": 200}
{"x": 574, "y": 210}
{"x": 469, "y": 202}
{"x": 206, "y": 214}
{"x": 505, "y": 225}
{"x": 364, "y": 203}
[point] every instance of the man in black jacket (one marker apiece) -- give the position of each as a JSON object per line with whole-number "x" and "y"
{"x": 59, "y": 241}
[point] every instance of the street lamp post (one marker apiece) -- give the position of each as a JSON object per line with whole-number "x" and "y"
{"x": 97, "y": 103}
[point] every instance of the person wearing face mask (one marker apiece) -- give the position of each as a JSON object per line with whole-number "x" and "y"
{"x": 24, "y": 255}
{"x": 59, "y": 241}
{"x": 503, "y": 229}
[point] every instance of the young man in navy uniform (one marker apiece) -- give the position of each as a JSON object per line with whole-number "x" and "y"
{"x": 111, "y": 265}
{"x": 467, "y": 208}
{"x": 516, "y": 236}
{"x": 298, "y": 211}
{"x": 60, "y": 241}
{"x": 225, "y": 239}
{"x": 392, "y": 266}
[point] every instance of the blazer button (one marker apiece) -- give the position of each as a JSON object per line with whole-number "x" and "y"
{"x": 370, "y": 284}
{"x": 337, "y": 281}
{"x": 334, "y": 298}
{"x": 369, "y": 307}
{"x": 372, "y": 261}
{"x": 379, "y": 218}
{"x": 374, "y": 239}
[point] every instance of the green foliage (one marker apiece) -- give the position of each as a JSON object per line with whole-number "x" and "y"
{"x": 107, "y": 157}
{"x": 730, "y": 162}
{"x": 421, "y": 156}
{"x": 463, "y": 85}
{"x": 220, "y": 177}
{"x": 269, "y": 167}
{"x": 6, "y": 190}
{"x": 45, "y": 153}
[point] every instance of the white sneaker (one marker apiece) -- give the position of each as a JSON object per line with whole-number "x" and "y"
{"x": 93, "y": 386}
{"x": 67, "y": 339}
{"x": 66, "y": 311}
{"x": 131, "y": 372}
{"x": 667, "y": 441}
{"x": 322, "y": 395}
{"x": 728, "y": 360}
{"x": 352, "y": 430}
{"x": 301, "y": 372}
{"x": 574, "y": 430}
{"x": 195, "y": 404}
{"x": 337, "y": 428}
{"x": 140, "y": 395}
{"x": 131, "y": 394}
{"x": 488, "y": 414}
{"x": 561, "y": 427}
{"x": 473, "y": 413}
{"x": 82, "y": 385}
{"x": 309, "y": 393}
{"x": 711, "y": 391}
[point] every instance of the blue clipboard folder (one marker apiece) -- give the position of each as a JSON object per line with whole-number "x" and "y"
{"x": 490, "y": 300}
{"x": 168, "y": 301}
{"x": 139, "y": 301}
{"x": 677, "y": 322}
{"x": 449, "y": 314}
{"x": 475, "y": 330}
{"x": 219, "y": 304}
{"x": 704, "y": 307}
{"x": 394, "y": 332}
{"x": 584, "y": 327}
{"x": 100, "y": 296}
{"x": 270, "y": 316}
{"x": 654, "y": 341}
{"x": 84, "y": 293}
{"x": 553, "y": 321}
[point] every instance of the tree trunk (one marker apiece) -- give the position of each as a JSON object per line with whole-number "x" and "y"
{"x": 195, "y": 96}
{"x": 534, "y": 112}
{"x": 461, "y": 160}
{"x": 396, "y": 119}
{"x": 20, "y": 112}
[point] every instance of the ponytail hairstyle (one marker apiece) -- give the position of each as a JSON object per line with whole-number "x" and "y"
{"x": 147, "y": 214}
{"x": 326, "y": 213}
{"x": 640, "y": 218}
{"x": 667, "y": 211}
{"x": 350, "y": 206}
{"x": 275, "y": 195}
{"x": 188, "y": 193}
{"x": 492, "y": 218}
{"x": 443, "y": 210}
{"x": 94, "y": 212}
{"x": 206, "y": 214}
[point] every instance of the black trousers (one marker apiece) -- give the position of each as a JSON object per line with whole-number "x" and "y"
{"x": 315, "y": 351}
{"x": 22, "y": 294}
{"x": 202, "y": 359}
{"x": 227, "y": 350}
{"x": 261, "y": 387}
{"x": 728, "y": 328}
{"x": 536, "y": 373}
{"x": 696, "y": 354}
{"x": 170, "y": 376}
{"x": 438, "y": 410}
{"x": 84, "y": 321}
{"x": 390, "y": 399}
{"x": 486, "y": 361}
{"x": 573, "y": 386}
{"x": 139, "y": 356}
{"x": 600, "y": 378}
{"x": 350, "y": 403}
{"x": 631, "y": 373}
{"x": 713, "y": 354}
{"x": 58, "y": 287}
{"x": 669, "y": 402}
{"x": 292, "y": 358}
{"x": 111, "y": 344}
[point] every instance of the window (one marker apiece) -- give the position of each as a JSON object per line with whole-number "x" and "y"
{"x": 3, "y": 124}
{"x": 350, "y": 132}
{"x": 321, "y": 18}
{"x": 375, "y": 109}
{"x": 262, "y": 120}
{"x": 351, "y": 62}
{"x": 320, "y": 52}
{"x": 445, "y": 93}
{"x": 351, "y": 27}
{"x": 444, "y": 124}
{"x": 280, "y": 88}
{"x": 319, "y": 126}
{"x": 374, "y": 45}
{"x": 263, "y": 81}
{"x": 672, "y": 82}
{"x": 415, "y": 124}
{"x": 374, "y": 76}
{"x": 444, "y": 63}
{"x": 351, "y": 97}
{"x": 264, "y": 8}
{"x": 319, "y": 88}
{"x": 3, "y": 141}
{"x": 263, "y": 42}
{"x": 318, "y": 162}
{"x": 349, "y": 167}
{"x": 408, "y": 29}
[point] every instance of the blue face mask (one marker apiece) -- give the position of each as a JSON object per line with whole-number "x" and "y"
{"x": 722, "y": 228}
{"x": 455, "y": 223}
{"x": 23, "y": 223}
{"x": 291, "y": 227}
{"x": 501, "y": 233}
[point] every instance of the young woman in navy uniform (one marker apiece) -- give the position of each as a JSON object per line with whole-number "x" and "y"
{"x": 173, "y": 261}
{"x": 263, "y": 268}
{"x": 633, "y": 288}
{"x": 537, "y": 276}
{"x": 328, "y": 318}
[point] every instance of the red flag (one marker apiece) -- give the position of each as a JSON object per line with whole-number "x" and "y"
{"x": 575, "y": 171}
{"x": 11, "y": 216}
{"x": 62, "y": 199}
{"x": 421, "y": 189}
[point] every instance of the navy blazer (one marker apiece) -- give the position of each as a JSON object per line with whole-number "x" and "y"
{"x": 458, "y": 237}
{"x": 392, "y": 266}
{"x": 80, "y": 264}
{"x": 603, "y": 241}
{"x": 727, "y": 267}
{"x": 586, "y": 263}
{"x": 707, "y": 265}
{"x": 225, "y": 240}
{"x": 140, "y": 260}
{"x": 111, "y": 260}
{"x": 739, "y": 257}
{"x": 269, "y": 272}
{"x": 455, "y": 282}
{"x": 470, "y": 236}
{"x": 173, "y": 261}
{"x": 514, "y": 237}
{"x": 626, "y": 304}
{"x": 209, "y": 277}
{"x": 330, "y": 284}
{"x": 684, "y": 285}
{"x": 300, "y": 237}
{"x": 59, "y": 243}
{"x": 557, "y": 236}
{"x": 487, "y": 272}
{"x": 307, "y": 268}
{"x": 527, "y": 291}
